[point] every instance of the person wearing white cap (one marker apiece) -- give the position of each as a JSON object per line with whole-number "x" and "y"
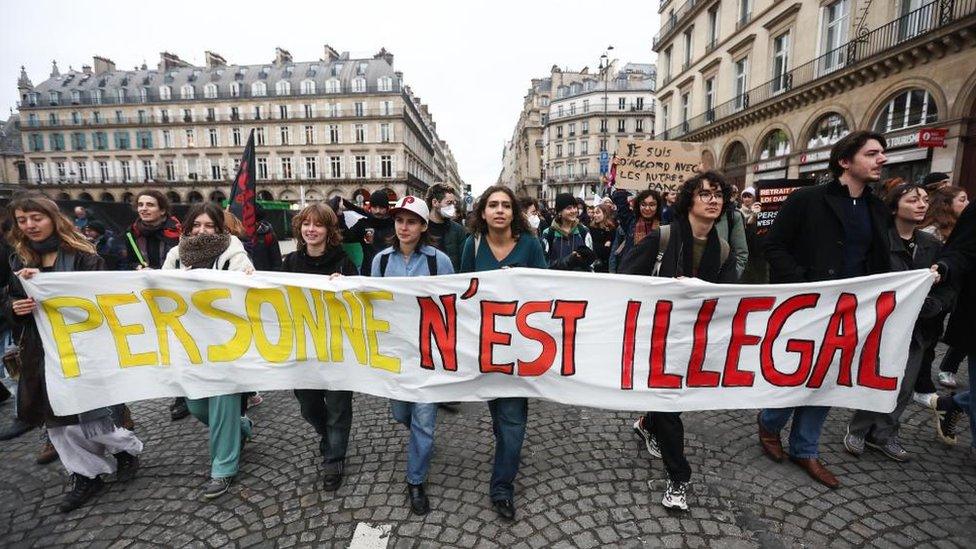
{"x": 412, "y": 255}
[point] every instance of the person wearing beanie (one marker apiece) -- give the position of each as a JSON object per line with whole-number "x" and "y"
{"x": 935, "y": 181}
{"x": 567, "y": 242}
{"x": 107, "y": 245}
{"x": 378, "y": 227}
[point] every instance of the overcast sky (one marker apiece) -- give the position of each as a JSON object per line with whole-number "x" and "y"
{"x": 470, "y": 61}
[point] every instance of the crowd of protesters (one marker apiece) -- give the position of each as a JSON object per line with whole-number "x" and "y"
{"x": 851, "y": 225}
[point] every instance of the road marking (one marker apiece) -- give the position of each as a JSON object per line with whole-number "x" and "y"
{"x": 368, "y": 536}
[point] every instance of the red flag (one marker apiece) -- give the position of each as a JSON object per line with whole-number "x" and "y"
{"x": 242, "y": 191}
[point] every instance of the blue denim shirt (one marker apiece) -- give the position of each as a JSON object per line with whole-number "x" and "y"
{"x": 416, "y": 265}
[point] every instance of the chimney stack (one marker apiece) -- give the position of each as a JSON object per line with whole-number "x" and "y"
{"x": 169, "y": 61}
{"x": 86, "y": 69}
{"x": 385, "y": 55}
{"x": 282, "y": 57}
{"x": 214, "y": 60}
{"x": 330, "y": 54}
{"x": 103, "y": 64}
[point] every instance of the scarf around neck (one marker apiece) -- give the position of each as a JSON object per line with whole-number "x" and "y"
{"x": 202, "y": 250}
{"x": 49, "y": 244}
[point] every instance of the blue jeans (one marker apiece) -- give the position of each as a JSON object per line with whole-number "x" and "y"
{"x": 421, "y": 418}
{"x": 966, "y": 401}
{"x": 804, "y": 434}
{"x": 508, "y": 417}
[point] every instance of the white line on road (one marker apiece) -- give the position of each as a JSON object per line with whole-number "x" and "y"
{"x": 368, "y": 536}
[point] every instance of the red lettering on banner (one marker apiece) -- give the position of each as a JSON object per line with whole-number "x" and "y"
{"x": 697, "y": 377}
{"x": 868, "y": 374}
{"x": 489, "y": 337}
{"x": 630, "y": 341}
{"x": 658, "y": 379}
{"x": 841, "y": 335}
{"x": 804, "y": 347}
{"x": 443, "y": 329}
{"x": 734, "y": 377}
{"x": 569, "y": 312}
{"x": 545, "y": 359}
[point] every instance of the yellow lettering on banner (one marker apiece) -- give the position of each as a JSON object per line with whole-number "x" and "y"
{"x": 170, "y": 320}
{"x": 349, "y": 321}
{"x": 240, "y": 342}
{"x": 305, "y": 318}
{"x": 373, "y": 325}
{"x": 272, "y": 352}
{"x": 121, "y": 332}
{"x": 62, "y": 331}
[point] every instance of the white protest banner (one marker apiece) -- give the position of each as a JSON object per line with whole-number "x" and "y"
{"x": 659, "y": 165}
{"x": 643, "y": 344}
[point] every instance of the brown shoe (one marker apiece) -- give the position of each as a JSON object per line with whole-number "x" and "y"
{"x": 772, "y": 446}
{"x": 816, "y": 469}
{"x": 47, "y": 454}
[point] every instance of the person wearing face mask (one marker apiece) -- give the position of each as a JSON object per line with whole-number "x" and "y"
{"x": 911, "y": 248}
{"x": 320, "y": 251}
{"x": 206, "y": 243}
{"x": 448, "y": 235}
{"x": 567, "y": 241}
{"x": 530, "y": 208}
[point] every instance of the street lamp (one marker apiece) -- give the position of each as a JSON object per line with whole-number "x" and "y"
{"x": 605, "y": 69}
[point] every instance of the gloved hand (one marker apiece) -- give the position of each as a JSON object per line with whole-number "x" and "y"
{"x": 583, "y": 257}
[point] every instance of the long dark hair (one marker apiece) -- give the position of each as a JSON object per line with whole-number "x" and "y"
{"x": 63, "y": 227}
{"x": 213, "y": 211}
{"x": 477, "y": 224}
{"x": 940, "y": 211}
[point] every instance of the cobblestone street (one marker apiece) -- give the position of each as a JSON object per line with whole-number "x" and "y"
{"x": 585, "y": 481}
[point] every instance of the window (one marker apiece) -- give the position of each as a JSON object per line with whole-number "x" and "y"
{"x": 559, "y": 111}
{"x": 639, "y": 125}
{"x": 386, "y": 107}
{"x": 259, "y": 136}
{"x": 572, "y": 129}
{"x": 55, "y": 97}
{"x": 586, "y": 106}
{"x": 235, "y": 136}
{"x": 585, "y": 127}
{"x": 385, "y": 133}
{"x": 712, "y": 27}
{"x": 259, "y": 89}
{"x": 685, "y": 102}
{"x": 210, "y": 91}
{"x": 667, "y": 64}
{"x": 335, "y": 109}
{"x": 621, "y": 103}
{"x": 96, "y": 117}
{"x": 332, "y": 85}
{"x": 665, "y": 118}
{"x": 39, "y": 172}
{"x": 776, "y": 144}
{"x": 386, "y": 166}
{"x": 97, "y": 97}
{"x": 285, "y": 164}
{"x": 584, "y": 169}
{"x": 284, "y": 135}
{"x": 36, "y": 142}
{"x": 834, "y": 35}
{"x": 909, "y": 108}
{"x": 164, "y": 115}
{"x": 308, "y": 111}
{"x": 186, "y": 92}
{"x": 571, "y": 149}
{"x": 572, "y": 108}
{"x": 559, "y": 132}
{"x": 147, "y": 171}
{"x": 78, "y": 141}
{"x": 359, "y": 84}
{"x": 584, "y": 147}
{"x": 360, "y": 132}
{"x": 32, "y": 120}
{"x": 191, "y": 138}
{"x": 333, "y": 133}
{"x": 82, "y": 171}
{"x": 687, "y": 45}
{"x": 235, "y": 89}
{"x": 360, "y": 162}
{"x": 214, "y": 170}
{"x": 283, "y": 112}
{"x": 212, "y": 134}
{"x": 603, "y": 145}
{"x": 283, "y": 87}
{"x": 170, "y": 168}
{"x": 187, "y": 115}
{"x": 103, "y": 173}
{"x": 570, "y": 170}
{"x": 100, "y": 141}
{"x": 559, "y": 151}
{"x": 122, "y": 140}
{"x": 309, "y": 135}
{"x": 741, "y": 79}
{"x": 385, "y": 84}
{"x": 76, "y": 118}
{"x": 709, "y": 100}
{"x": 144, "y": 139}
{"x": 603, "y": 125}
{"x": 361, "y": 68}
{"x": 311, "y": 168}
{"x": 126, "y": 169}
{"x": 359, "y": 108}
{"x": 781, "y": 61}
{"x": 308, "y": 87}
{"x": 235, "y": 113}
{"x": 262, "y": 168}
{"x": 62, "y": 170}
{"x": 639, "y": 103}
{"x": 335, "y": 166}
{"x": 827, "y": 131}
{"x": 621, "y": 125}
{"x": 141, "y": 116}
{"x": 745, "y": 12}
{"x": 257, "y": 112}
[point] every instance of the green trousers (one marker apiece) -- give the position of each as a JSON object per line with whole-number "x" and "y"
{"x": 227, "y": 430}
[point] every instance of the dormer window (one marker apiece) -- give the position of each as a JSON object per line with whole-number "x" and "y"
{"x": 283, "y": 87}
{"x": 308, "y": 87}
{"x": 165, "y": 93}
{"x": 55, "y": 97}
{"x": 332, "y": 85}
{"x": 359, "y": 84}
{"x": 361, "y": 68}
{"x": 385, "y": 84}
{"x": 75, "y": 96}
{"x": 210, "y": 91}
{"x": 121, "y": 95}
{"x": 186, "y": 92}
{"x": 259, "y": 89}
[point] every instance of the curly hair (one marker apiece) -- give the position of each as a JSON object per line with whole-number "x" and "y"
{"x": 322, "y": 213}
{"x": 640, "y": 198}
{"x": 940, "y": 212}
{"x": 477, "y": 224}
{"x": 686, "y": 194}
{"x": 63, "y": 227}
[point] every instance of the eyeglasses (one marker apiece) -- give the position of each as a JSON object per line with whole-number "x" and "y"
{"x": 648, "y": 205}
{"x": 706, "y": 196}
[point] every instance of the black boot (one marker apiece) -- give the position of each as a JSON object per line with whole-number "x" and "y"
{"x": 128, "y": 464}
{"x": 82, "y": 491}
{"x": 419, "y": 503}
{"x": 4, "y": 392}
{"x": 178, "y": 409}
{"x": 15, "y": 429}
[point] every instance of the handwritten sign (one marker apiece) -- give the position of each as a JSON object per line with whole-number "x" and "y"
{"x": 659, "y": 165}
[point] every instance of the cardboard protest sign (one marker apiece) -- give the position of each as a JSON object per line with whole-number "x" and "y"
{"x": 659, "y": 165}
{"x": 772, "y": 194}
{"x": 638, "y": 343}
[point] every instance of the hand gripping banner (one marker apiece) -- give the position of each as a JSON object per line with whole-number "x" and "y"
{"x": 605, "y": 341}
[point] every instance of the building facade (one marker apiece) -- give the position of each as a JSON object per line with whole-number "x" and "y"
{"x": 12, "y": 169}
{"x": 337, "y": 126}
{"x": 769, "y": 85}
{"x": 568, "y": 120}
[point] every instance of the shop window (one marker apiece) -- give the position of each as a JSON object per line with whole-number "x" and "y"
{"x": 775, "y": 144}
{"x": 909, "y": 108}
{"x": 827, "y": 131}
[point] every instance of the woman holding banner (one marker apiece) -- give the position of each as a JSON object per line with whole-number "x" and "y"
{"x": 46, "y": 241}
{"x": 320, "y": 251}
{"x": 206, "y": 243}
{"x": 688, "y": 247}
{"x": 501, "y": 238}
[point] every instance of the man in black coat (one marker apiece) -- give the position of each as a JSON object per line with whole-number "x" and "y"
{"x": 826, "y": 232}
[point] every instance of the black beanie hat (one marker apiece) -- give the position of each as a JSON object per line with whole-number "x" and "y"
{"x": 934, "y": 177}
{"x": 563, "y": 201}
{"x": 380, "y": 198}
{"x": 96, "y": 226}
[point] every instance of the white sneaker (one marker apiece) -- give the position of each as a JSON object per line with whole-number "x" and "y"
{"x": 948, "y": 379}
{"x": 650, "y": 441}
{"x": 675, "y": 496}
{"x": 925, "y": 400}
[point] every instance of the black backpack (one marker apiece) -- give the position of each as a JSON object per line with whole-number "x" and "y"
{"x": 431, "y": 264}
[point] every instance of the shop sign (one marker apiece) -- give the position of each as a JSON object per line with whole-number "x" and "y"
{"x": 932, "y": 137}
